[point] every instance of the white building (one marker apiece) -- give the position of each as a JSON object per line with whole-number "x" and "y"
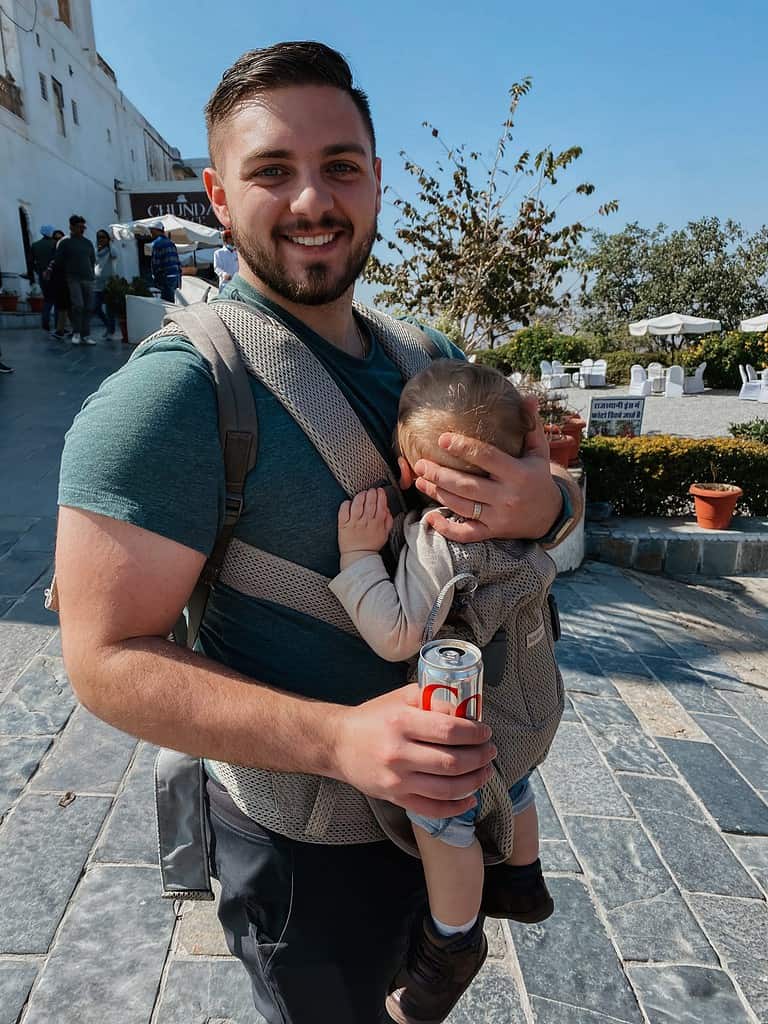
{"x": 70, "y": 142}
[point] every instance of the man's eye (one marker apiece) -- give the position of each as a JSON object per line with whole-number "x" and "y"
{"x": 342, "y": 168}
{"x": 269, "y": 172}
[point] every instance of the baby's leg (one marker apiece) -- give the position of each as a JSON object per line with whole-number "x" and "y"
{"x": 525, "y": 846}
{"x": 454, "y": 876}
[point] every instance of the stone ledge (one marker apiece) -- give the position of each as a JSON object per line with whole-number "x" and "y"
{"x": 15, "y": 321}
{"x": 678, "y": 547}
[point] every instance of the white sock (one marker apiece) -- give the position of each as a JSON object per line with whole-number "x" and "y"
{"x": 446, "y": 930}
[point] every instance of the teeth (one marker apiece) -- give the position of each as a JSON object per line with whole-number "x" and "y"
{"x": 311, "y": 239}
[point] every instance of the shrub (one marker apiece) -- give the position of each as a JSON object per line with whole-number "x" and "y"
{"x": 530, "y": 345}
{"x": 723, "y": 353}
{"x": 650, "y": 476}
{"x": 621, "y": 361}
{"x": 754, "y": 430}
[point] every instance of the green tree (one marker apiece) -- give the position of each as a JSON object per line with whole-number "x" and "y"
{"x": 707, "y": 268}
{"x": 463, "y": 259}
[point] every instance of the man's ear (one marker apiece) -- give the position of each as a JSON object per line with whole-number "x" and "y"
{"x": 407, "y": 476}
{"x": 215, "y": 189}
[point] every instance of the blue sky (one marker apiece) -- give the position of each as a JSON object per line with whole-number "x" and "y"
{"x": 667, "y": 99}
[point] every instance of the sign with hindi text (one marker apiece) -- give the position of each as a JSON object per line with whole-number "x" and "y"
{"x": 615, "y": 417}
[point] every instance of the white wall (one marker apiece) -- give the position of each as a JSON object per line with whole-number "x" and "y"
{"x": 52, "y": 175}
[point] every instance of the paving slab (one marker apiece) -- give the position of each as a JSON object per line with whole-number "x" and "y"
{"x": 753, "y": 707}
{"x": 746, "y": 751}
{"x": 207, "y": 993}
{"x": 738, "y": 929}
{"x": 492, "y": 998}
{"x": 20, "y": 570}
{"x": 678, "y": 994}
{"x": 21, "y": 640}
{"x": 578, "y": 779}
{"x": 40, "y": 702}
{"x": 643, "y": 907}
{"x": 752, "y": 851}
{"x": 692, "y": 848}
{"x": 581, "y": 671}
{"x": 733, "y": 804}
{"x": 89, "y": 757}
{"x": 108, "y": 957}
{"x": 619, "y": 737}
{"x": 43, "y": 847}
{"x": 584, "y": 975}
{"x": 689, "y": 687}
{"x": 19, "y": 758}
{"x": 16, "y": 977}
{"x": 129, "y": 836}
{"x": 659, "y": 713}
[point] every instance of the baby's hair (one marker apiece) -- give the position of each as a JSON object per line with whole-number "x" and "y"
{"x": 452, "y": 395}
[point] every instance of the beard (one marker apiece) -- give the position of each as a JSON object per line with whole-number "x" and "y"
{"x": 317, "y": 286}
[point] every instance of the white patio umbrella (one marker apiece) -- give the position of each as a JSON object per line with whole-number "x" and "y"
{"x": 674, "y": 323}
{"x": 755, "y": 324}
{"x": 179, "y": 230}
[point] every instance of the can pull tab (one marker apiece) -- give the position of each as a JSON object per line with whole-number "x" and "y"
{"x": 451, "y": 654}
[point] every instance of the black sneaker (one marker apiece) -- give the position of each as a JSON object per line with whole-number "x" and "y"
{"x": 436, "y": 974}
{"x": 5, "y": 369}
{"x": 517, "y": 893}
{"x": 58, "y": 335}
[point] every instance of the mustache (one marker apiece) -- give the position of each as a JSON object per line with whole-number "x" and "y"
{"x": 301, "y": 227}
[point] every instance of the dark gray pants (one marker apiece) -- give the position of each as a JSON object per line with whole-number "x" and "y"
{"x": 321, "y": 930}
{"x": 81, "y": 304}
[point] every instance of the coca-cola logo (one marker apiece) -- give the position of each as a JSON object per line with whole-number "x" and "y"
{"x": 470, "y": 707}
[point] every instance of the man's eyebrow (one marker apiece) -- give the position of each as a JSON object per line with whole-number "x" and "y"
{"x": 286, "y": 154}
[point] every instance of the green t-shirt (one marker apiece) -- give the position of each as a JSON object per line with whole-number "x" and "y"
{"x": 145, "y": 449}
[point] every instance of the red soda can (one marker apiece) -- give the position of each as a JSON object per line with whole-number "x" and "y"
{"x": 451, "y": 678}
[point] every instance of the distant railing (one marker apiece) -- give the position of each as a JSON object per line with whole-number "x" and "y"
{"x": 10, "y": 96}
{"x": 106, "y": 68}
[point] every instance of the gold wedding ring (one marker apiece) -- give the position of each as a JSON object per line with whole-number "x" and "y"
{"x": 477, "y": 511}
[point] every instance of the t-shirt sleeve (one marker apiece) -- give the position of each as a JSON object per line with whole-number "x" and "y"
{"x": 145, "y": 447}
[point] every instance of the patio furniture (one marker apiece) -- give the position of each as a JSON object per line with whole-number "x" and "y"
{"x": 674, "y": 323}
{"x": 750, "y": 389}
{"x": 694, "y": 384}
{"x": 558, "y": 374}
{"x": 551, "y": 379}
{"x": 755, "y": 324}
{"x": 674, "y": 382}
{"x": 639, "y": 384}
{"x": 585, "y": 373}
{"x": 751, "y": 375}
{"x": 515, "y": 378}
{"x": 656, "y": 378}
{"x": 597, "y": 376}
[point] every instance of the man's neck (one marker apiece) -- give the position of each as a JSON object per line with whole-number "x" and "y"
{"x": 333, "y": 321}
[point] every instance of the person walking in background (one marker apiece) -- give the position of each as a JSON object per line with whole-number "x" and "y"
{"x": 76, "y": 257}
{"x": 43, "y": 251}
{"x": 106, "y": 257}
{"x": 225, "y": 261}
{"x": 166, "y": 268}
{"x": 57, "y": 284}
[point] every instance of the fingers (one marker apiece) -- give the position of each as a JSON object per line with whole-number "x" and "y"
{"x": 344, "y": 512}
{"x": 453, "y": 481}
{"x": 470, "y": 531}
{"x": 476, "y": 453}
{"x": 443, "y": 730}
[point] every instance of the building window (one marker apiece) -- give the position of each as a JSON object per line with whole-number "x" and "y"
{"x": 37, "y": 38}
{"x": 43, "y": 86}
{"x": 109, "y": 136}
{"x": 58, "y": 95}
{"x": 71, "y": 72}
{"x": 53, "y": 55}
{"x": 133, "y": 156}
{"x": 75, "y": 116}
{"x": 65, "y": 14}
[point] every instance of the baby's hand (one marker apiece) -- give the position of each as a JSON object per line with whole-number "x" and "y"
{"x": 364, "y": 525}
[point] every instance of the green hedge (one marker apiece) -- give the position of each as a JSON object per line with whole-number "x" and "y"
{"x": 752, "y": 430}
{"x": 723, "y": 353}
{"x": 650, "y": 476}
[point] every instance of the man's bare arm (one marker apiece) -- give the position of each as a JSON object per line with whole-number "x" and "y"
{"x": 121, "y": 590}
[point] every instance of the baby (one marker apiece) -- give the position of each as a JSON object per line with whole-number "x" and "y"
{"x": 391, "y": 615}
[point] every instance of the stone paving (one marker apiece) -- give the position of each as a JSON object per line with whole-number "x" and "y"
{"x": 653, "y": 801}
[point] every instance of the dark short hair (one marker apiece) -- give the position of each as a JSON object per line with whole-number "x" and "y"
{"x": 279, "y": 66}
{"x": 468, "y": 398}
{"x": 76, "y": 219}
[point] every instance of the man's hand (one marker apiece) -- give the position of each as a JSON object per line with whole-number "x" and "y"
{"x": 429, "y": 763}
{"x": 519, "y": 498}
{"x": 364, "y": 525}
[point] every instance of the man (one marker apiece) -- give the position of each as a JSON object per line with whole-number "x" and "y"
{"x": 43, "y": 251}
{"x": 225, "y": 262}
{"x": 320, "y": 928}
{"x": 166, "y": 268}
{"x": 75, "y": 258}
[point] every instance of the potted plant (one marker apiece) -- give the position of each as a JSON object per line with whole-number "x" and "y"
{"x": 714, "y": 503}
{"x": 573, "y": 425}
{"x": 562, "y": 448}
{"x": 9, "y": 300}
{"x": 35, "y": 299}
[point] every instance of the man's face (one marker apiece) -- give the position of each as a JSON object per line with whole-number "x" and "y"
{"x": 298, "y": 185}
{"x": 78, "y": 228}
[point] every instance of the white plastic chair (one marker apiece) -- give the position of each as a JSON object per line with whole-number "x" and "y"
{"x": 585, "y": 373}
{"x": 656, "y": 377}
{"x": 598, "y": 373}
{"x": 751, "y": 375}
{"x": 750, "y": 389}
{"x": 694, "y": 385}
{"x": 546, "y": 374}
{"x": 515, "y": 378}
{"x": 639, "y": 385}
{"x": 560, "y": 379}
{"x": 675, "y": 382}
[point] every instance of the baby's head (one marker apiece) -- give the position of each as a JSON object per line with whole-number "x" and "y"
{"x": 463, "y": 398}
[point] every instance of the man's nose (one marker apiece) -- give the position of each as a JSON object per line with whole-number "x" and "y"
{"x": 313, "y": 198}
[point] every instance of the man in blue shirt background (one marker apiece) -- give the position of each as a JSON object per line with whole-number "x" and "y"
{"x": 166, "y": 268}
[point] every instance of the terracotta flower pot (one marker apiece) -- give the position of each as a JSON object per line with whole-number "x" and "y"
{"x": 8, "y": 303}
{"x": 35, "y": 303}
{"x": 562, "y": 448}
{"x": 573, "y": 427}
{"x": 714, "y": 504}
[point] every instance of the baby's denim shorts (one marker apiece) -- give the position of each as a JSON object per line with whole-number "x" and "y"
{"x": 460, "y": 831}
